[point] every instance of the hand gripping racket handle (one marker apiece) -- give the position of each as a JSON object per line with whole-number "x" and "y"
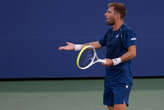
{"x": 102, "y": 60}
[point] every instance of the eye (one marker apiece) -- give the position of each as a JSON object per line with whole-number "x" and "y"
{"x": 109, "y": 11}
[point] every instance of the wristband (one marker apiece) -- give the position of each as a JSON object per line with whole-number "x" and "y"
{"x": 116, "y": 61}
{"x": 77, "y": 47}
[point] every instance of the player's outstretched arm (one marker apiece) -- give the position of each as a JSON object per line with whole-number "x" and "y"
{"x": 95, "y": 44}
{"x": 71, "y": 46}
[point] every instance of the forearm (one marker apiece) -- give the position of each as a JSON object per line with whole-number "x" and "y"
{"x": 95, "y": 44}
{"x": 130, "y": 54}
{"x": 77, "y": 47}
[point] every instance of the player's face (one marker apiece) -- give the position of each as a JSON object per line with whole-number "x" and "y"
{"x": 110, "y": 16}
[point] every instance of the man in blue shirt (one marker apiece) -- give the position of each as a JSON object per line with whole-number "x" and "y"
{"x": 120, "y": 42}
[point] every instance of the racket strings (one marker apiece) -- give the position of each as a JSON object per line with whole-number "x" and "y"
{"x": 86, "y": 58}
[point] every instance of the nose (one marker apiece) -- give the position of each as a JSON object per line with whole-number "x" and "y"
{"x": 105, "y": 14}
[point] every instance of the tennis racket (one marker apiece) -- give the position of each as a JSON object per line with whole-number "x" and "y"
{"x": 87, "y": 57}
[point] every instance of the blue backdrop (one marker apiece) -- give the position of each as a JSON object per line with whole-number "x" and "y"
{"x": 32, "y": 30}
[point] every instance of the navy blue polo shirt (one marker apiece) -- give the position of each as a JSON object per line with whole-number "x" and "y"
{"x": 117, "y": 43}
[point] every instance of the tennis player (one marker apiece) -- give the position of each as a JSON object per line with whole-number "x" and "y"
{"x": 120, "y": 42}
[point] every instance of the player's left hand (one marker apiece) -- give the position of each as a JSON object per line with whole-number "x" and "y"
{"x": 108, "y": 62}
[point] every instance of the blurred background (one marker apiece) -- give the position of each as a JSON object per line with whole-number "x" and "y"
{"x": 32, "y": 30}
{"x": 35, "y": 75}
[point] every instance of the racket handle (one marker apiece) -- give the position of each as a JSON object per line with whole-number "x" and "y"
{"x": 102, "y": 61}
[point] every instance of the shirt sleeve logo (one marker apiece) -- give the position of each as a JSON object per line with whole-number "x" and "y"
{"x": 133, "y": 38}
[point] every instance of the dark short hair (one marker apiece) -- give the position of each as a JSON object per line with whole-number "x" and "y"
{"x": 118, "y": 7}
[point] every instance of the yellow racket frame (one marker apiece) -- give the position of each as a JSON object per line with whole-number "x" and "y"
{"x": 80, "y": 53}
{"x": 95, "y": 58}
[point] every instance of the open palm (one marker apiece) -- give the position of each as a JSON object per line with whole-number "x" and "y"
{"x": 69, "y": 46}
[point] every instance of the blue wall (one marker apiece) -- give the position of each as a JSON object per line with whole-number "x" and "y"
{"x": 32, "y": 30}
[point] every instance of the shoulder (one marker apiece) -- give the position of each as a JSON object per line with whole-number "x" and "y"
{"x": 128, "y": 30}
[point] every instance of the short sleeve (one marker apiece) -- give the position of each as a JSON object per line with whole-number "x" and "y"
{"x": 129, "y": 38}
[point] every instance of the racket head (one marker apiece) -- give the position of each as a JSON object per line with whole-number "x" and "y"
{"x": 86, "y": 57}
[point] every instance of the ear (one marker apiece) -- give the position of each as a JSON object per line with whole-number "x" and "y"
{"x": 118, "y": 15}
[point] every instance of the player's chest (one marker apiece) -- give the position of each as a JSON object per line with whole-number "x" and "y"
{"x": 113, "y": 40}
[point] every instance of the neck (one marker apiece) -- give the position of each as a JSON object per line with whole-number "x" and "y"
{"x": 117, "y": 25}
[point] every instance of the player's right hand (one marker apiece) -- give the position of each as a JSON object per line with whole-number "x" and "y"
{"x": 69, "y": 46}
{"x": 108, "y": 62}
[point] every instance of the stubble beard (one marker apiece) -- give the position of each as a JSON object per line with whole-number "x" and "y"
{"x": 110, "y": 23}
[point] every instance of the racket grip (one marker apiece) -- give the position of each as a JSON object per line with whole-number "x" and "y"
{"x": 102, "y": 60}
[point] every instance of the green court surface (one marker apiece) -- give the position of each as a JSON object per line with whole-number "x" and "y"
{"x": 80, "y": 94}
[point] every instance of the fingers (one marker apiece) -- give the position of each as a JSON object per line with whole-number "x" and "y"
{"x": 69, "y": 43}
{"x": 69, "y": 46}
{"x": 64, "y": 47}
{"x": 61, "y": 48}
{"x": 105, "y": 61}
{"x": 108, "y": 62}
